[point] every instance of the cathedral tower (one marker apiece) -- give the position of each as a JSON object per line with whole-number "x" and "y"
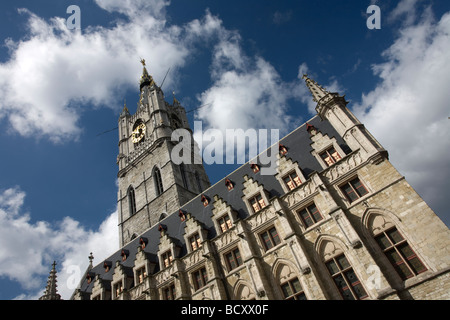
{"x": 151, "y": 184}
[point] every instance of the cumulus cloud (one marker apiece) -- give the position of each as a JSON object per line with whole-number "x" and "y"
{"x": 29, "y": 248}
{"x": 54, "y": 73}
{"x": 408, "y": 110}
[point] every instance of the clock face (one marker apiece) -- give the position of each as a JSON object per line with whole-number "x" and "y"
{"x": 138, "y": 133}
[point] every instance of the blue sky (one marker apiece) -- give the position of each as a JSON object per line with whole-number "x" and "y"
{"x": 60, "y": 89}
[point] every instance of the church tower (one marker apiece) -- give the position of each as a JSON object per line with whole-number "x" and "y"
{"x": 151, "y": 184}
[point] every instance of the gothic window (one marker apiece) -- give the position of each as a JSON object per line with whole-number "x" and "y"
{"x": 270, "y": 238}
{"x": 158, "y": 181}
{"x": 257, "y": 202}
{"x": 292, "y": 290}
{"x": 195, "y": 241}
{"x": 309, "y": 215}
{"x": 131, "y": 201}
{"x": 197, "y": 179}
{"x": 330, "y": 156}
{"x": 399, "y": 253}
{"x": 345, "y": 278}
{"x": 225, "y": 223}
{"x": 183, "y": 175}
{"x": 292, "y": 180}
{"x": 200, "y": 278}
{"x": 167, "y": 258}
{"x": 353, "y": 190}
{"x": 233, "y": 259}
{"x": 169, "y": 292}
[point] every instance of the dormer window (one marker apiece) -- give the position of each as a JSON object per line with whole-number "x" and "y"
{"x": 229, "y": 184}
{"x": 257, "y": 202}
{"x": 311, "y": 129}
{"x": 254, "y": 167}
{"x": 143, "y": 242}
{"x": 90, "y": 277}
{"x": 124, "y": 254}
{"x": 204, "y": 200}
{"x": 182, "y": 215}
{"x": 162, "y": 228}
{"x": 330, "y": 156}
{"x": 282, "y": 149}
{"x": 107, "y": 265}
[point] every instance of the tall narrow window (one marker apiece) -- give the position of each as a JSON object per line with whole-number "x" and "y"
{"x": 292, "y": 180}
{"x": 200, "y": 278}
{"x": 158, "y": 181}
{"x": 345, "y": 278}
{"x": 330, "y": 156}
{"x": 197, "y": 179}
{"x": 353, "y": 190}
{"x": 167, "y": 258}
{"x": 140, "y": 275}
{"x": 292, "y": 290}
{"x": 400, "y": 254}
{"x": 183, "y": 175}
{"x": 131, "y": 201}
{"x": 195, "y": 242}
{"x": 257, "y": 202}
{"x": 310, "y": 215}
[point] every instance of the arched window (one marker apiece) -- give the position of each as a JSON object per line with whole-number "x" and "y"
{"x": 158, "y": 181}
{"x": 131, "y": 201}
{"x": 197, "y": 179}
{"x": 395, "y": 246}
{"x": 183, "y": 175}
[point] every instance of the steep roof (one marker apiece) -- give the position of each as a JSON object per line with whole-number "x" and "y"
{"x": 297, "y": 142}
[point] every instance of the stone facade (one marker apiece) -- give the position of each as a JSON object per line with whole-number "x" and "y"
{"x": 346, "y": 226}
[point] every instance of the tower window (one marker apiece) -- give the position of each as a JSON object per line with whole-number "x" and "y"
{"x": 197, "y": 179}
{"x": 310, "y": 215}
{"x": 353, "y": 190}
{"x": 169, "y": 292}
{"x": 158, "y": 181}
{"x": 400, "y": 254}
{"x": 183, "y": 175}
{"x": 292, "y": 180}
{"x": 330, "y": 156}
{"x": 131, "y": 201}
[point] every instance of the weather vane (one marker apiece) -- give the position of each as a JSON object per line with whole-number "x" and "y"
{"x": 143, "y": 62}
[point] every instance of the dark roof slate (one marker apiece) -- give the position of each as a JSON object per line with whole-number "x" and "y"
{"x": 298, "y": 143}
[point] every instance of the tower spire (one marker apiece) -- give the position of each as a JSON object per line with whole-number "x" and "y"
{"x": 317, "y": 91}
{"x": 51, "y": 293}
{"x": 146, "y": 79}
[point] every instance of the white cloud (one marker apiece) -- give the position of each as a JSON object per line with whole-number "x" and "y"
{"x": 408, "y": 110}
{"x": 53, "y": 73}
{"x": 29, "y": 248}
